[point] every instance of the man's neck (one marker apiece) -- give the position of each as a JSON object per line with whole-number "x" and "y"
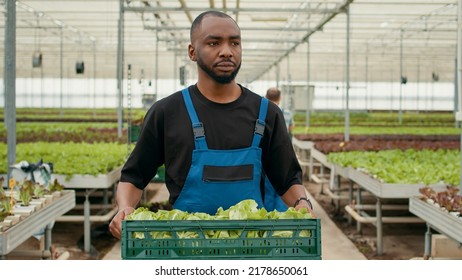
{"x": 219, "y": 93}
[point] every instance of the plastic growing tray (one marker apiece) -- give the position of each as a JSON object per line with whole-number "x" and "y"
{"x": 243, "y": 247}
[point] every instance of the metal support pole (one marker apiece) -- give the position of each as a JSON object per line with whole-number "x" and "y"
{"x": 456, "y": 96}
{"x": 129, "y": 105}
{"x": 347, "y": 97}
{"x": 366, "y": 79}
{"x": 350, "y": 199}
{"x": 418, "y": 85}
{"x": 459, "y": 75}
{"x": 400, "y": 115}
{"x": 379, "y": 226}
{"x": 459, "y": 54}
{"x": 277, "y": 75}
{"x": 157, "y": 59}
{"x": 86, "y": 221}
{"x": 428, "y": 243}
{"x": 175, "y": 71}
{"x": 48, "y": 240}
{"x": 326, "y": 84}
{"x": 359, "y": 200}
{"x": 120, "y": 55}
{"x": 10, "y": 81}
{"x": 42, "y": 88}
{"x": 289, "y": 84}
{"x": 106, "y": 197}
{"x": 308, "y": 99}
{"x": 392, "y": 78}
{"x": 86, "y": 224}
{"x": 94, "y": 78}
{"x": 311, "y": 169}
{"x": 61, "y": 72}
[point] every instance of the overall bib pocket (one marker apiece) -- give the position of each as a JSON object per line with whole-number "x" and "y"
{"x": 227, "y": 173}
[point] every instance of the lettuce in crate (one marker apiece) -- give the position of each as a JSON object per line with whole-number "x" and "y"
{"x": 244, "y": 210}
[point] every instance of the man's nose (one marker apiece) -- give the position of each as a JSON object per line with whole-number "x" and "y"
{"x": 226, "y": 51}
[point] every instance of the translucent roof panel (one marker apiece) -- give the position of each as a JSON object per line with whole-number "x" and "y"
{"x": 417, "y": 37}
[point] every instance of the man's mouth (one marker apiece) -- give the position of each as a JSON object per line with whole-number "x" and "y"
{"x": 225, "y": 66}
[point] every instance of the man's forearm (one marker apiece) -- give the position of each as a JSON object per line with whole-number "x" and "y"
{"x": 292, "y": 194}
{"x": 128, "y": 195}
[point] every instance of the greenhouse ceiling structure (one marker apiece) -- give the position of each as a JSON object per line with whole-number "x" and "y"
{"x": 292, "y": 40}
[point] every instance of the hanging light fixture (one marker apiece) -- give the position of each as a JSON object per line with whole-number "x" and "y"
{"x": 80, "y": 65}
{"x": 403, "y": 80}
{"x": 37, "y": 59}
{"x": 37, "y": 56}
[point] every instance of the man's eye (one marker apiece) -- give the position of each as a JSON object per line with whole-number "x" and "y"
{"x": 236, "y": 43}
{"x": 212, "y": 43}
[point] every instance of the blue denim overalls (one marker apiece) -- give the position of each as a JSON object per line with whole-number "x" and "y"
{"x": 221, "y": 178}
{"x": 272, "y": 199}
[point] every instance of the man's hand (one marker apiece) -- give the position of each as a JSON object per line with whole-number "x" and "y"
{"x": 296, "y": 196}
{"x": 304, "y": 204}
{"x": 127, "y": 197}
{"x": 115, "y": 227}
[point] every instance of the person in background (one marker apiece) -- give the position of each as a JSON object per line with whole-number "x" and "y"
{"x": 216, "y": 138}
{"x": 272, "y": 199}
{"x": 274, "y": 95}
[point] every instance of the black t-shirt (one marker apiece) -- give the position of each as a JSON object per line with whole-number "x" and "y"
{"x": 167, "y": 138}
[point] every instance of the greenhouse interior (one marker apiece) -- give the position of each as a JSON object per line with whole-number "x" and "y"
{"x": 373, "y": 90}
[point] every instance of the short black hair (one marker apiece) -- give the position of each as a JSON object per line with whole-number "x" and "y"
{"x": 198, "y": 20}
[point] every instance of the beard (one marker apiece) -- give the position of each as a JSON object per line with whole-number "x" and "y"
{"x": 221, "y": 79}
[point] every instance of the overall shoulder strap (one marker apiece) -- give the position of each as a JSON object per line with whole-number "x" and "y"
{"x": 260, "y": 123}
{"x": 198, "y": 127}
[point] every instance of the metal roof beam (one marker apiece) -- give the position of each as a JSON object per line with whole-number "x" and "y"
{"x": 186, "y": 11}
{"x": 246, "y": 40}
{"x": 259, "y": 50}
{"x": 169, "y": 28}
{"x": 320, "y": 26}
{"x": 234, "y": 10}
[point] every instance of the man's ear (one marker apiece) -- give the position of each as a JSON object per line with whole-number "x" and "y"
{"x": 192, "y": 53}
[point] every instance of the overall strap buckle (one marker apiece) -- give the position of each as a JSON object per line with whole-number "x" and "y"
{"x": 259, "y": 127}
{"x": 198, "y": 129}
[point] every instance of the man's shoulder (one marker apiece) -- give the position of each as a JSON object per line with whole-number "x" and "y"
{"x": 169, "y": 99}
{"x": 250, "y": 92}
{"x": 166, "y": 104}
